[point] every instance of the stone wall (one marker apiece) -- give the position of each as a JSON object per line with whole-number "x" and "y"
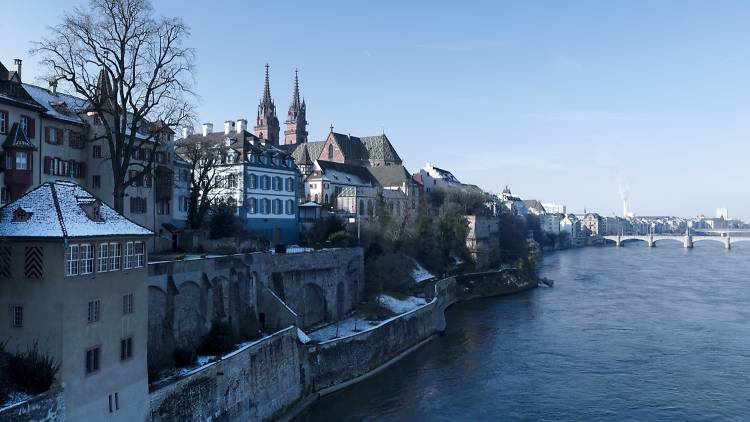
{"x": 257, "y": 382}
{"x": 493, "y": 283}
{"x": 46, "y": 407}
{"x": 186, "y": 296}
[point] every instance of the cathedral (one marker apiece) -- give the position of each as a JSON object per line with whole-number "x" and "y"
{"x": 267, "y": 123}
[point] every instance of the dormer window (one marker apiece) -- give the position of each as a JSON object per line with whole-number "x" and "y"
{"x": 20, "y": 215}
{"x": 93, "y": 211}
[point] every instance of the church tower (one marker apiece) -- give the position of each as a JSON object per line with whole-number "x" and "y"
{"x": 267, "y": 124}
{"x": 296, "y": 121}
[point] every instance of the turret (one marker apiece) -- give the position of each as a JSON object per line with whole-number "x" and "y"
{"x": 267, "y": 124}
{"x": 296, "y": 122}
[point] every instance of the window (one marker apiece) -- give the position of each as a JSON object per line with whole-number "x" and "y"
{"x": 16, "y": 316}
{"x": 232, "y": 181}
{"x": 28, "y": 126}
{"x": 289, "y": 207}
{"x": 127, "y": 304}
{"x": 330, "y": 152}
{"x": 3, "y": 121}
{"x": 264, "y": 205}
{"x": 126, "y": 348}
{"x": 8, "y": 161}
{"x": 252, "y": 180}
{"x": 264, "y": 182}
{"x": 103, "y": 257}
{"x": 94, "y": 310}
{"x": 54, "y": 136}
{"x": 71, "y": 260}
{"x": 96, "y": 181}
{"x": 138, "y": 205}
{"x": 115, "y": 253}
{"x": 129, "y": 252}
{"x": 86, "y": 265}
{"x": 22, "y": 160}
{"x": 92, "y": 360}
{"x": 140, "y": 254}
{"x": 252, "y": 206}
{"x": 289, "y": 184}
{"x": 116, "y": 403}
{"x": 277, "y": 207}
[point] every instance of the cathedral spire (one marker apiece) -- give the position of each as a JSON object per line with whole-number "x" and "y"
{"x": 296, "y": 122}
{"x": 267, "y": 124}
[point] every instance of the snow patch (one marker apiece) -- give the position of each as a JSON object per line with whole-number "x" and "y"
{"x": 14, "y": 398}
{"x": 400, "y": 306}
{"x": 420, "y": 273}
{"x": 303, "y": 337}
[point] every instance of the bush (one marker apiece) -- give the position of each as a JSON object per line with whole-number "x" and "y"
{"x": 224, "y": 222}
{"x": 184, "y": 357}
{"x": 33, "y": 371}
{"x": 341, "y": 239}
{"x": 218, "y": 341}
{"x": 323, "y": 229}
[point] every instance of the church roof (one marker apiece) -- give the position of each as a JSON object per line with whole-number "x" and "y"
{"x": 63, "y": 210}
{"x": 340, "y": 171}
{"x": 395, "y": 175}
{"x": 298, "y": 150}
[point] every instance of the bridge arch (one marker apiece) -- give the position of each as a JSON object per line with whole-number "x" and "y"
{"x": 678, "y": 239}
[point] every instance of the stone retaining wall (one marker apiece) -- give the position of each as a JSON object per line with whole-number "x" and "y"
{"x": 46, "y": 407}
{"x": 255, "y": 383}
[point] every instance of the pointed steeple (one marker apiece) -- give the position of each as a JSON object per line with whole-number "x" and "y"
{"x": 267, "y": 124}
{"x": 296, "y": 122}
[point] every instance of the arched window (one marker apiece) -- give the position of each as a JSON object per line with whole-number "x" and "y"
{"x": 253, "y": 181}
{"x": 361, "y": 207}
{"x": 326, "y": 198}
{"x": 277, "y": 206}
{"x": 264, "y": 205}
{"x": 264, "y": 182}
{"x": 289, "y": 207}
{"x": 316, "y": 197}
{"x": 330, "y": 152}
{"x": 252, "y": 206}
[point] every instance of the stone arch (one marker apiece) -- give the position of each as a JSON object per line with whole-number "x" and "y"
{"x": 189, "y": 314}
{"x": 315, "y": 308}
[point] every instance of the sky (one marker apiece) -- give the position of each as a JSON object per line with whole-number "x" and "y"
{"x": 564, "y": 102}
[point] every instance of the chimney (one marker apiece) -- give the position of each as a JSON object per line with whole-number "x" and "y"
{"x": 18, "y": 67}
{"x": 53, "y": 86}
{"x": 207, "y": 128}
{"x": 187, "y": 131}
{"x": 241, "y": 125}
{"x": 228, "y": 127}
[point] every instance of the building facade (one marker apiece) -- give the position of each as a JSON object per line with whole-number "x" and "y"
{"x": 74, "y": 282}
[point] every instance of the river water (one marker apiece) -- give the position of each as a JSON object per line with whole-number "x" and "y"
{"x": 629, "y": 333}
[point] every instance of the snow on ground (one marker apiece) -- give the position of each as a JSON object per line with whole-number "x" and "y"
{"x": 15, "y": 397}
{"x": 344, "y": 328}
{"x": 420, "y": 273}
{"x": 358, "y": 322}
{"x": 399, "y": 306}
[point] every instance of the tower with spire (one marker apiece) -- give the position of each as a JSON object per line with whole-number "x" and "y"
{"x": 296, "y": 121}
{"x": 267, "y": 124}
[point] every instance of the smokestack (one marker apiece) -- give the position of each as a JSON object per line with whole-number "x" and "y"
{"x": 207, "y": 128}
{"x": 18, "y": 62}
{"x": 241, "y": 125}
{"x": 228, "y": 127}
{"x": 53, "y": 86}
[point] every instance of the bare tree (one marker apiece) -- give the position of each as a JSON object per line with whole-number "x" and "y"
{"x": 205, "y": 158}
{"x": 133, "y": 70}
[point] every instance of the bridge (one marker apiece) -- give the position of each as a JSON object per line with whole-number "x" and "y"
{"x": 687, "y": 239}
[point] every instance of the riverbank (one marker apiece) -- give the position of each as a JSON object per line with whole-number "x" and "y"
{"x": 340, "y": 363}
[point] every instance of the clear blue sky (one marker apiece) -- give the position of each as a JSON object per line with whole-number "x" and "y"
{"x": 559, "y": 100}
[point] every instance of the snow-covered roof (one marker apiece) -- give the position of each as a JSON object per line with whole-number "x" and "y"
{"x": 59, "y": 106}
{"x": 63, "y": 209}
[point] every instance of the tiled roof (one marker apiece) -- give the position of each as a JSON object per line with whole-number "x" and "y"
{"x": 395, "y": 175}
{"x": 63, "y": 210}
{"x": 379, "y": 148}
{"x": 59, "y": 106}
{"x": 16, "y": 138}
{"x": 332, "y": 169}
{"x": 298, "y": 150}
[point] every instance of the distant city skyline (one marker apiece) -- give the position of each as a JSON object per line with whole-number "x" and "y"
{"x": 562, "y": 102}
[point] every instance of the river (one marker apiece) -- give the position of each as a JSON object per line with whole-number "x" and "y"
{"x": 629, "y": 333}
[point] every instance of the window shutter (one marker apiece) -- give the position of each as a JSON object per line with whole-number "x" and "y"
{"x": 32, "y": 128}
{"x": 46, "y": 135}
{"x": 59, "y": 136}
{"x": 81, "y": 169}
{"x": 47, "y": 165}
